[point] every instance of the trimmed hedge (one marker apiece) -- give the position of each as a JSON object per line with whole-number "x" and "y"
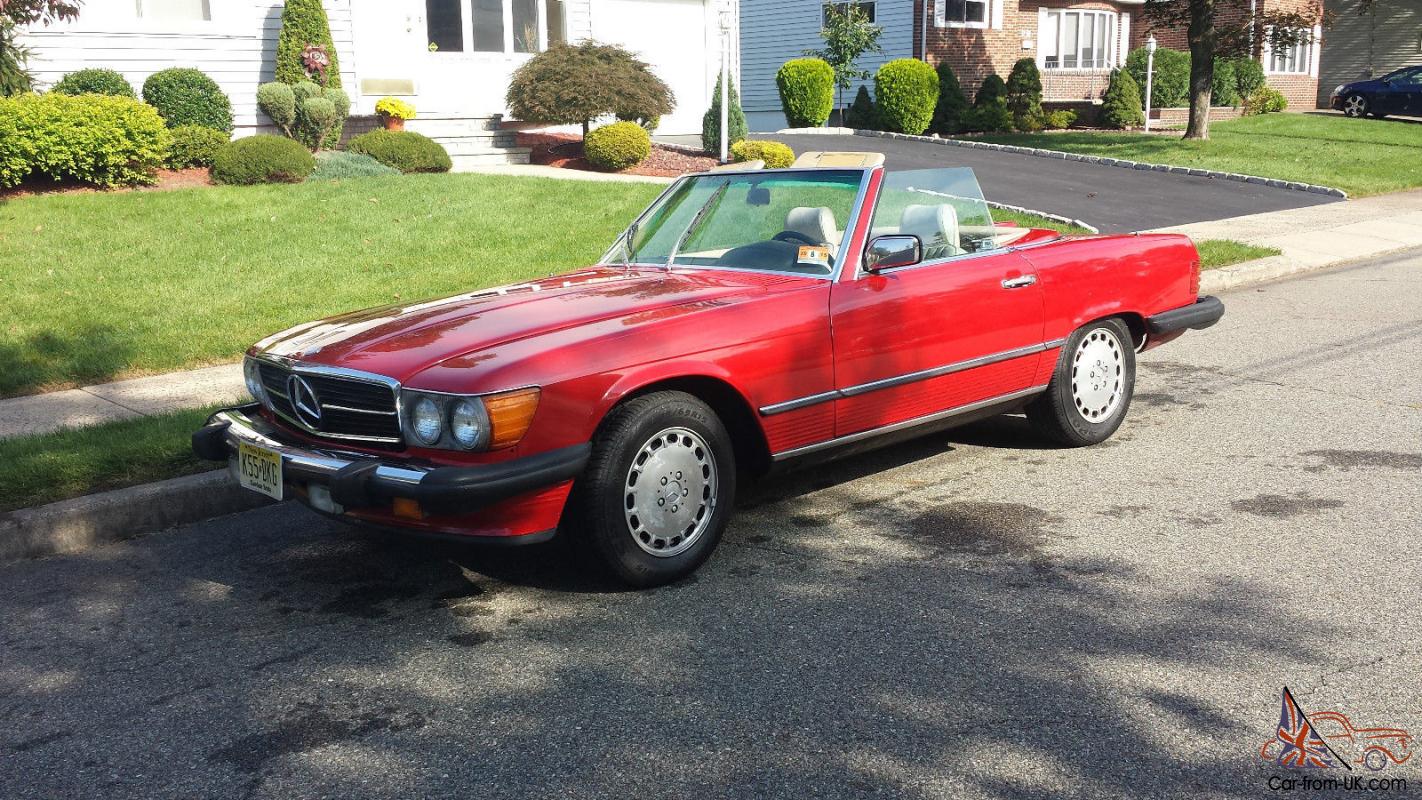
{"x": 806, "y": 91}
{"x": 774, "y": 154}
{"x": 97, "y": 139}
{"x": 1121, "y": 105}
{"x": 862, "y": 115}
{"x": 952, "y": 103}
{"x": 1024, "y": 95}
{"x": 1265, "y": 101}
{"x": 407, "y": 151}
{"x": 617, "y": 146}
{"x": 340, "y": 164}
{"x": 263, "y": 159}
{"x": 989, "y": 112}
{"x": 304, "y": 22}
{"x": 1224, "y": 91}
{"x": 1171, "y": 88}
{"x": 1060, "y": 119}
{"x": 194, "y": 146}
{"x": 906, "y": 91}
{"x": 95, "y": 81}
{"x": 185, "y": 96}
{"x": 736, "y": 128}
{"x": 1248, "y": 76}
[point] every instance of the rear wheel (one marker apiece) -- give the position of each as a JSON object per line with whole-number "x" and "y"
{"x": 1355, "y": 105}
{"x": 658, "y": 490}
{"x": 1091, "y": 388}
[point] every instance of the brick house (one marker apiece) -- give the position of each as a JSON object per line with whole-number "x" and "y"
{"x": 1076, "y": 44}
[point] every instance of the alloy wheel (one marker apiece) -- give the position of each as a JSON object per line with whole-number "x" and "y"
{"x": 1097, "y": 373}
{"x": 670, "y": 492}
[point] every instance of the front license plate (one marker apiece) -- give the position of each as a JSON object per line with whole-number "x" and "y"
{"x": 259, "y": 469}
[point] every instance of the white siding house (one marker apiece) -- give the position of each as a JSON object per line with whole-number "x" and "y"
{"x": 451, "y": 58}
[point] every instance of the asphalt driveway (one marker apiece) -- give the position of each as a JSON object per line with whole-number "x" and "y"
{"x": 1114, "y": 199}
{"x": 972, "y": 615}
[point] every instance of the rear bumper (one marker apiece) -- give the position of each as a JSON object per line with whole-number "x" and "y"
{"x": 358, "y": 482}
{"x": 1201, "y": 314}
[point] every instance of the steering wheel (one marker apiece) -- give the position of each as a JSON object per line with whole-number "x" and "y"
{"x": 785, "y": 236}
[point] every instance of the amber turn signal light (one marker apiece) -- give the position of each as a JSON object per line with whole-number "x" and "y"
{"x": 408, "y": 508}
{"x": 510, "y": 414}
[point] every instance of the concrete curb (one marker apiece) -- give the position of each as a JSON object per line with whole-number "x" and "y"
{"x": 1272, "y": 268}
{"x": 71, "y": 526}
{"x": 1063, "y": 155}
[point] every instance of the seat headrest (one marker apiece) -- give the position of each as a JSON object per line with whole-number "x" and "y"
{"x": 932, "y": 224}
{"x": 817, "y": 223}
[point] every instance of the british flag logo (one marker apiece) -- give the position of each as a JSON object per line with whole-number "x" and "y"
{"x": 1301, "y": 746}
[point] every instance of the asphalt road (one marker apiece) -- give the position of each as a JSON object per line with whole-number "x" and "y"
{"x": 973, "y": 615}
{"x": 1114, "y": 199}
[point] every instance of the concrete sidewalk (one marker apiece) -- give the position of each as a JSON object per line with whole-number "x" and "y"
{"x": 1313, "y": 237}
{"x": 109, "y": 402}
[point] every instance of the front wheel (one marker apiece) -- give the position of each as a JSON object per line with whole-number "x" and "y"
{"x": 658, "y": 490}
{"x": 1091, "y": 388}
{"x": 1355, "y": 105}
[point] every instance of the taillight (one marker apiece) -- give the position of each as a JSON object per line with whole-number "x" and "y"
{"x": 1195, "y": 277}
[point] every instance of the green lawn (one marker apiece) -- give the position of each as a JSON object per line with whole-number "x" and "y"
{"x": 35, "y": 470}
{"x": 1216, "y": 253}
{"x": 102, "y": 286}
{"x": 1359, "y": 156}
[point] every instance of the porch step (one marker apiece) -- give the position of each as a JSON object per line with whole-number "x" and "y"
{"x": 488, "y": 140}
{"x": 515, "y": 155}
{"x": 440, "y": 126}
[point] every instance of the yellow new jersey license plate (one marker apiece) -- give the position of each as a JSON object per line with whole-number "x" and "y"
{"x": 259, "y": 469}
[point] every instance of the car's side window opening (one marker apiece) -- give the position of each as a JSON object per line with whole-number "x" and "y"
{"x": 944, "y": 208}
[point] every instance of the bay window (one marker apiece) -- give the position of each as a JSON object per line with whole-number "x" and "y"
{"x": 1071, "y": 39}
{"x": 1294, "y": 60}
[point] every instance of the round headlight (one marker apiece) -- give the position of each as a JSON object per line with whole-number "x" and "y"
{"x": 468, "y": 423}
{"x": 252, "y": 373}
{"x": 424, "y": 421}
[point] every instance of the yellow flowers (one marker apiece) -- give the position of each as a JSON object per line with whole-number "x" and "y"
{"x": 394, "y": 107}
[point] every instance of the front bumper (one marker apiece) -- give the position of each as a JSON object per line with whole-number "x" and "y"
{"x": 357, "y": 481}
{"x": 1199, "y": 315}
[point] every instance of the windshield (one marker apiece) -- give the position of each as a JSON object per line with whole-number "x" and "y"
{"x": 944, "y": 208}
{"x": 773, "y": 221}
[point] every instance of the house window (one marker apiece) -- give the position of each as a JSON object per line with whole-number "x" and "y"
{"x": 553, "y": 16}
{"x": 1077, "y": 39}
{"x": 186, "y": 10}
{"x": 962, "y": 13}
{"x": 488, "y": 26}
{"x": 444, "y": 20}
{"x": 867, "y": 9}
{"x": 1295, "y": 60}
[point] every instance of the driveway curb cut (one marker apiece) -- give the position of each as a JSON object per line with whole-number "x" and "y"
{"x": 71, "y": 526}
{"x": 1063, "y": 155}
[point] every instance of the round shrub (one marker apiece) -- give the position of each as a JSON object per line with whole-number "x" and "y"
{"x": 263, "y": 159}
{"x": 1024, "y": 95}
{"x": 95, "y": 81}
{"x": 1171, "y": 88}
{"x": 1265, "y": 101}
{"x": 774, "y": 154}
{"x": 319, "y": 114}
{"x": 992, "y": 90}
{"x": 278, "y": 102}
{"x": 185, "y": 96}
{"x": 574, "y": 84}
{"x": 617, "y": 146}
{"x": 1060, "y": 119}
{"x": 406, "y": 151}
{"x": 340, "y": 164}
{"x": 806, "y": 91}
{"x": 1121, "y": 106}
{"x": 1223, "y": 89}
{"x": 98, "y": 139}
{"x": 1248, "y": 76}
{"x": 906, "y": 90}
{"x": 194, "y": 146}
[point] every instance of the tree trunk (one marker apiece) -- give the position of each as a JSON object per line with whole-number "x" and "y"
{"x": 1202, "y": 67}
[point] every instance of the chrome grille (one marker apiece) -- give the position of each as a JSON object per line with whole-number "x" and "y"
{"x": 351, "y": 409}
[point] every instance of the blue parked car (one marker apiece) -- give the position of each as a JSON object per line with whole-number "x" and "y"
{"x": 1397, "y": 92}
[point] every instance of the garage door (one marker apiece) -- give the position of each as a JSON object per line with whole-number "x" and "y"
{"x": 671, "y": 36}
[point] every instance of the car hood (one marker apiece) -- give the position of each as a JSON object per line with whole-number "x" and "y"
{"x": 399, "y": 341}
{"x": 1360, "y": 86}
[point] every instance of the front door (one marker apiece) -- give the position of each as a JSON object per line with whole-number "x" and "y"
{"x": 962, "y": 327}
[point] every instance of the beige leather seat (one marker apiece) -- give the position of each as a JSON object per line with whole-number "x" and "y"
{"x": 936, "y": 227}
{"x": 815, "y": 223}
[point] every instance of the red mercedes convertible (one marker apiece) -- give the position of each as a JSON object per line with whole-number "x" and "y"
{"x": 745, "y": 319}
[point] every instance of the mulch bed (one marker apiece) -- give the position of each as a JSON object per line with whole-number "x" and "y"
{"x": 566, "y": 151}
{"x": 167, "y": 179}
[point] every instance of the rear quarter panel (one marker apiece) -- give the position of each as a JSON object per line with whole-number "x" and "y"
{"x": 1088, "y": 278}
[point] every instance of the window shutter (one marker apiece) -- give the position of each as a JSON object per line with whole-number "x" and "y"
{"x": 940, "y": 18}
{"x": 1042, "y": 37}
{"x": 997, "y": 14}
{"x": 1124, "y": 46}
{"x": 1314, "y": 48}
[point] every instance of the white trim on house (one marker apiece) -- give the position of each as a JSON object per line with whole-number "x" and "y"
{"x": 992, "y": 14}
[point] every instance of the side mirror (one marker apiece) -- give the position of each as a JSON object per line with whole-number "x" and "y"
{"x": 889, "y": 252}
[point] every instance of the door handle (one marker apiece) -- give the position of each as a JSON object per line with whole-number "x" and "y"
{"x": 1019, "y": 281}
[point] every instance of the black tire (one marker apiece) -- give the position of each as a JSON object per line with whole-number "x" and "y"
{"x": 1060, "y": 413}
{"x": 1356, "y": 105}
{"x": 601, "y": 504}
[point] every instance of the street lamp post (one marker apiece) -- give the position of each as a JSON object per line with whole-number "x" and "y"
{"x": 1150, "y": 77}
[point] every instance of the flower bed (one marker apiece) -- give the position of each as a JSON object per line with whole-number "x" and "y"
{"x": 566, "y": 151}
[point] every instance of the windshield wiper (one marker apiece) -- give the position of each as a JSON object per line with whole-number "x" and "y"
{"x": 627, "y": 242}
{"x": 696, "y": 221}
